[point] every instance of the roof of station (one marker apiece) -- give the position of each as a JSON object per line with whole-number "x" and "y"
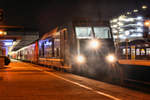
{"x": 19, "y": 34}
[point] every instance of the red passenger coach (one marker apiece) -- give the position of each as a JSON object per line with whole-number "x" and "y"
{"x": 28, "y": 53}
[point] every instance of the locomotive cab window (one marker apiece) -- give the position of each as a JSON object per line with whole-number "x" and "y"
{"x": 86, "y": 32}
{"x": 102, "y": 32}
{"x": 83, "y": 32}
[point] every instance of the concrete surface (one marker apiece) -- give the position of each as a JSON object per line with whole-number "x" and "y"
{"x": 24, "y": 81}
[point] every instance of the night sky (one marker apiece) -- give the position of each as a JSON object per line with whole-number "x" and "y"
{"x": 47, "y": 14}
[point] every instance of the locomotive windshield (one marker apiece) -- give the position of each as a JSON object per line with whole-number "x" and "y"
{"x": 102, "y": 32}
{"x": 83, "y": 32}
{"x": 86, "y": 32}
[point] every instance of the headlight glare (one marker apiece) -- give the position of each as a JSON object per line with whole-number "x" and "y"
{"x": 80, "y": 59}
{"x": 94, "y": 44}
{"x": 111, "y": 58}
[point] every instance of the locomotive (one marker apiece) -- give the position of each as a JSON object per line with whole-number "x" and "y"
{"x": 83, "y": 48}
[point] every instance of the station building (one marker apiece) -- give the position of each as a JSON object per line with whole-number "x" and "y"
{"x": 131, "y": 33}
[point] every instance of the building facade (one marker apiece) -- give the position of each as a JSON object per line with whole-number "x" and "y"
{"x": 131, "y": 33}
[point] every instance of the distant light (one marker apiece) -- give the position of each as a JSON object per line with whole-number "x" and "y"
{"x": 139, "y": 34}
{"x": 115, "y": 31}
{"x": 135, "y": 10}
{"x": 140, "y": 24}
{"x": 122, "y": 37}
{"x": 5, "y": 33}
{"x": 1, "y": 32}
{"x": 131, "y": 19}
{"x": 122, "y": 18}
{"x": 139, "y": 29}
{"x": 139, "y": 18}
{"x": 121, "y": 30}
{"x": 134, "y": 35}
{"x": 121, "y": 24}
{"x": 144, "y": 7}
{"x": 147, "y": 23}
{"x": 114, "y": 26}
{"x": 114, "y": 20}
{"x": 115, "y": 36}
{"x": 128, "y": 13}
{"x": 127, "y": 33}
{"x": 8, "y": 43}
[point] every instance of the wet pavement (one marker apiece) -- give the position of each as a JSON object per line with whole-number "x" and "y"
{"x": 25, "y": 81}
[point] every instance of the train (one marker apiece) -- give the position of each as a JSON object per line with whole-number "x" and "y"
{"x": 86, "y": 48}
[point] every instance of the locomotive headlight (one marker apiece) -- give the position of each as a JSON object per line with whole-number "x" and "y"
{"x": 94, "y": 44}
{"x": 80, "y": 59}
{"x": 111, "y": 58}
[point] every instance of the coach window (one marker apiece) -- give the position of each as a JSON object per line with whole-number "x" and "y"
{"x": 137, "y": 52}
{"x": 148, "y": 51}
{"x": 48, "y": 48}
{"x": 142, "y": 51}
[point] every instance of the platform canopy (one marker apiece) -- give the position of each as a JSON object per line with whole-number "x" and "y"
{"x": 20, "y": 36}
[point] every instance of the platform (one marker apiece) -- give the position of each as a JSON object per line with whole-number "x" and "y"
{"x": 25, "y": 81}
{"x": 135, "y": 62}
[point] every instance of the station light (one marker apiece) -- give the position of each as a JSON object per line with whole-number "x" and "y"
{"x": 115, "y": 36}
{"x": 139, "y": 34}
{"x": 133, "y": 35}
{"x": 2, "y": 33}
{"x": 121, "y": 30}
{"x": 114, "y": 31}
{"x": 121, "y": 24}
{"x": 135, "y": 10}
{"x": 122, "y": 18}
{"x": 122, "y": 36}
{"x": 139, "y": 18}
{"x": 114, "y": 20}
{"x": 8, "y": 43}
{"x": 139, "y": 29}
{"x": 147, "y": 23}
{"x": 128, "y": 13}
{"x": 114, "y": 26}
{"x": 127, "y": 33}
{"x": 140, "y": 24}
{"x": 131, "y": 19}
{"x": 144, "y": 7}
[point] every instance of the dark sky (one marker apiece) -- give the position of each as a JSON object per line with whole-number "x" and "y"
{"x": 47, "y": 14}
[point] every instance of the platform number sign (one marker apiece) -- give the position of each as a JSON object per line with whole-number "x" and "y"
{"x": 1, "y": 15}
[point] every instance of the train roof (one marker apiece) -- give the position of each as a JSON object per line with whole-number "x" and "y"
{"x": 73, "y": 24}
